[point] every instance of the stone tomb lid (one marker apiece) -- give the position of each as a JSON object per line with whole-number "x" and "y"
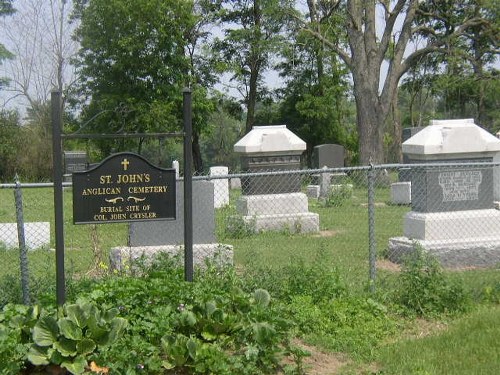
{"x": 445, "y": 139}
{"x": 269, "y": 139}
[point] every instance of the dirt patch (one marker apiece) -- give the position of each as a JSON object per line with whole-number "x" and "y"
{"x": 376, "y": 204}
{"x": 319, "y": 362}
{"x": 423, "y": 328}
{"x": 387, "y": 265}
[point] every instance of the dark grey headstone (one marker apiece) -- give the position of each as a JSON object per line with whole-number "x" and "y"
{"x": 75, "y": 161}
{"x": 328, "y": 155}
{"x": 171, "y": 232}
{"x": 441, "y": 189}
{"x": 270, "y": 184}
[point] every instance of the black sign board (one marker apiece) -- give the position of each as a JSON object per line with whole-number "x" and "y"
{"x": 124, "y": 187}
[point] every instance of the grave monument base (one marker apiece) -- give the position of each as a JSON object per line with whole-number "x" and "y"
{"x": 450, "y": 253}
{"x": 220, "y": 254}
{"x": 276, "y": 212}
{"x": 36, "y": 234}
{"x": 451, "y": 225}
{"x": 304, "y": 222}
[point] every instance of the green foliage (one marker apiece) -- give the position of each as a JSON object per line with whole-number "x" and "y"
{"x": 238, "y": 227}
{"x": 491, "y": 293}
{"x": 16, "y": 322}
{"x": 208, "y": 326}
{"x": 298, "y": 278}
{"x": 68, "y": 338}
{"x": 424, "y": 290}
{"x": 354, "y": 325}
{"x": 10, "y": 142}
{"x": 338, "y": 195}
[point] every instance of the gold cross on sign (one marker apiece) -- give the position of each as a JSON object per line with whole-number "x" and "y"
{"x": 125, "y": 164}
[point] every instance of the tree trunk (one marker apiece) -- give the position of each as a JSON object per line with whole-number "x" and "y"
{"x": 370, "y": 119}
{"x": 395, "y": 148}
{"x": 252, "y": 100}
{"x": 197, "y": 160}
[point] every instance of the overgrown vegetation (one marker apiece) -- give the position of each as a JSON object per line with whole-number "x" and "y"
{"x": 424, "y": 290}
{"x": 223, "y": 323}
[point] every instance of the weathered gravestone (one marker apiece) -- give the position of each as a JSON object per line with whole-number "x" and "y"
{"x": 149, "y": 238}
{"x": 273, "y": 201}
{"x": 325, "y": 156}
{"x": 328, "y": 155}
{"x": 74, "y": 161}
{"x": 453, "y": 215}
{"x": 221, "y": 186}
{"x": 37, "y": 235}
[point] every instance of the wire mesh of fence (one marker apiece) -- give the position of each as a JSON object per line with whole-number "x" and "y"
{"x": 364, "y": 221}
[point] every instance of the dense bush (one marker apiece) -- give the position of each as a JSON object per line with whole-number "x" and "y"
{"x": 423, "y": 288}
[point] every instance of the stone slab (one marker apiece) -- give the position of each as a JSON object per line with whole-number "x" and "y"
{"x": 235, "y": 183}
{"x": 306, "y": 222}
{"x": 36, "y": 234}
{"x": 454, "y": 225}
{"x": 312, "y": 191}
{"x": 171, "y": 232}
{"x": 328, "y": 155}
{"x": 451, "y": 254}
{"x": 271, "y": 204}
{"x": 220, "y": 254}
{"x": 221, "y": 186}
{"x": 401, "y": 193}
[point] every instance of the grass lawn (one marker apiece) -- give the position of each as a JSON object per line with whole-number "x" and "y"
{"x": 468, "y": 346}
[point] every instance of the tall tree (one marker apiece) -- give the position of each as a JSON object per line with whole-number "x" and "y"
{"x": 316, "y": 85}
{"x": 5, "y": 9}
{"x": 380, "y": 33}
{"x": 251, "y": 37}
{"x": 40, "y": 36}
{"x": 136, "y": 56}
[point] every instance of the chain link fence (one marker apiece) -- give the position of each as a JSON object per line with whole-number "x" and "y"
{"x": 361, "y": 220}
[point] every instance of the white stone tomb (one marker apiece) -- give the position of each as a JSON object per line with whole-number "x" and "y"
{"x": 273, "y": 202}
{"x": 453, "y": 215}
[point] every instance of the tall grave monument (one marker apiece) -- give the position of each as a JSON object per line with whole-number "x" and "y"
{"x": 273, "y": 201}
{"x": 453, "y": 215}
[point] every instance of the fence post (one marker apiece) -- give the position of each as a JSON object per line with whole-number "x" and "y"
{"x": 371, "y": 227}
{"x": 188, "y": 187}
{"x": 56, "y": 115}
{"x": 23, "y": 256}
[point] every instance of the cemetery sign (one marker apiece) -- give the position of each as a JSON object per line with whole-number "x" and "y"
{"x": 124, "y": 187}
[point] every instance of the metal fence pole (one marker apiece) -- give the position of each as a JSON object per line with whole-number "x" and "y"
{"x": 56, "y": 113}
{"x": 188, "y": 188}
{"x": 371, "y": 227}
{"x": 23, "y": 256}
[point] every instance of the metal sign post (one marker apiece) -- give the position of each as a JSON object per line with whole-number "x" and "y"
{"x": 56, "y": 100}
{"x": 161, "y": 185}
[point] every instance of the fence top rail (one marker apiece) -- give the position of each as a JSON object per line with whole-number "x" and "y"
{"x": 290, "y": 172}
{"x": 437, "y": 165}
{"x": 27, "y": 185}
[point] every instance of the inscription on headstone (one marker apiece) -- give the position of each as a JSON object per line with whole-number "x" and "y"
{"x": 124, "y": 187}
{"x": 460, "y": 185}
{"x": 439, "y": 189}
